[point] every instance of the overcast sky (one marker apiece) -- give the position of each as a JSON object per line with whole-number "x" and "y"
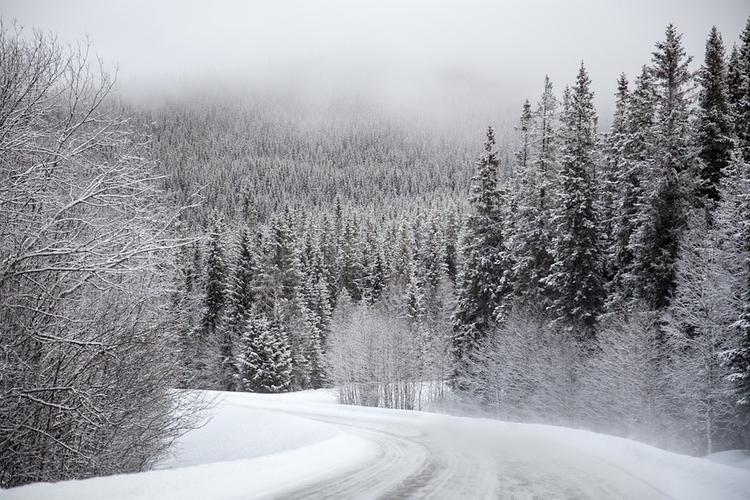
{"x": 418, "y": 54}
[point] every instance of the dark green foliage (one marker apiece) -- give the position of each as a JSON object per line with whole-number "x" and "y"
{"x": 662, "y": 219}
{"x": 264, "y": 358}
{"x": 486, "y": 282}
{"x": 576, "y": 273}
{"x": 740, "y": 94}
{"x": 714, "y": 120}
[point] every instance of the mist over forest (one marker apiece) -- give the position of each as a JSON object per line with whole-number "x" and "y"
{"x": 530, "y": 212}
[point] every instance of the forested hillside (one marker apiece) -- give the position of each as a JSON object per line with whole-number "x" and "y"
{"x": 591, "y": 277}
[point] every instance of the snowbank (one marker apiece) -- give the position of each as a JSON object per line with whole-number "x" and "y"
{"x": 267, "y": 445}
{"x": 264, "y": 476}
{"x": 236, "y": 431}
{"x": 241, "y": 451}
{"x": 735, "y": 458}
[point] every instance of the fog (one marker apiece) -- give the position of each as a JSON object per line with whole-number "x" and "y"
{"x": 427, "y": 59}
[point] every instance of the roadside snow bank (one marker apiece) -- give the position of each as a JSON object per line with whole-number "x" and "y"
{"x": 735, "y": 458}
{"x": 240, "y": 452}
{"x": 266, "y": 476}
{"x": 236, "y": 431}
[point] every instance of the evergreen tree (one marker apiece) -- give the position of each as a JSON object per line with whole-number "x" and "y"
{"x": 614, "y": 182}
{"x": 523, "y": 155}
{"x": 264, "y": 357}
{"x": 240, "y": 298}
{"x": 736, "y": 207}
{"x": 662, "y": 219}
{"x": 486, "y": 281}
{"x": 545, "y": 120}
{"x": 636, "y": 160}
{"x": 351, "y": 260}
{"x": 329, "y": 249}
{"x": 576, "y": 274}
{"x": 714, "y": 122}
{"x": 734, "y": 81}
{"x": 216, "y": 277}
{"x": 741, "y": 94}
{"x": 531, "y": 239}
{"x": 431, "y": 265}
{"x": 374, "y": 268}
{"x": 403, "y": 254}
{"x": 414, "y": 297}
{"x": 451, "y": 243}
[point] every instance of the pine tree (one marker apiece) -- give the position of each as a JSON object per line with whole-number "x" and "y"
{"x": 212, "y": 347}
{"x": 734, "y": 81}
{"x": 318, "y": 318}
{"x": 264, "y": 357}
{"x": 431, "y": 265}
{"x": 486, "y": 281}
{"x": 523, "y": 155}
{"x": 742, "y": 95}
{"x": 636, "y": 157}
{"x": 414, "y": 296}
{"x": 614, "y": 181}
{"x": 351, "y": 260}
{"x": 450, "y": 246}
{"x": 531, "y": 235}
{"x": 545, "y": 119}
{"x": 403, "y": 254}
{"x": 374, "y": 277}
{"x": 240, "y": 299}
{"x": 329, "y": 249}
{"x": 576, "y": 274}
{"x": 186, "y": 312}
{"x": 714, "y": 122}
{"x": 736, "y": 210}
{"x": 216, "y": 277}
{"x": 662, "y": 218}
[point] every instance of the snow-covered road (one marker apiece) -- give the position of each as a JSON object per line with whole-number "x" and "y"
{"x": 305, "y": 446}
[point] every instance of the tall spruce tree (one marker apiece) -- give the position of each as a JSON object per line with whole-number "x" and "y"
{"x": 613, "y": 181}
{"x": 741, "y": 94}
{"x": 350, "y": 248}
{"x": 531, "y": 234}
{"x": 662, "y": 218}
{"x": 216, "y": 280}
{"x": 737, "y": 207}
{"x": 636, "y": 161}
{"x": 239, "y": 301}
{"x": 734, "y": 80}
{"x": 450, "y": 250}
{"x": 576, "y": 273}
{"x": 714, "y": 135}
{"x": 486, "y": 278}
{"x": 264, "y": 357}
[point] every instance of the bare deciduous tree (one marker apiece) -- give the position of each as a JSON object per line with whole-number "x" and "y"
{"x": 85, "y": 352}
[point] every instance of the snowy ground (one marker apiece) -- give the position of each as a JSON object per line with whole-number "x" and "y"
{"x": 304, "y": 445}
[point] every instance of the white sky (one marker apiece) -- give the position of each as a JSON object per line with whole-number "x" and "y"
{"x": 418, "y": 54}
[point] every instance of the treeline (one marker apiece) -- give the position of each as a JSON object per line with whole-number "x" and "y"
{"x": 608, "y": 284}
{"x": 286, "y": 155}
{"x": 593, "y": 279}
{"x": 258, "y": 303}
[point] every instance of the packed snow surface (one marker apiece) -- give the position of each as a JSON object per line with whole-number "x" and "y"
{"x": 303, "y": 445}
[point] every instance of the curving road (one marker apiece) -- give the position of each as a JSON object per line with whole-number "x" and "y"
{"x": 304, "y": 446}
{"x": 430, "y": 456}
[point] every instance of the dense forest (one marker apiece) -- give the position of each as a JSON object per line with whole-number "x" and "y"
{"x": 592, "y": 279}
{"x": 573, "y": 276}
